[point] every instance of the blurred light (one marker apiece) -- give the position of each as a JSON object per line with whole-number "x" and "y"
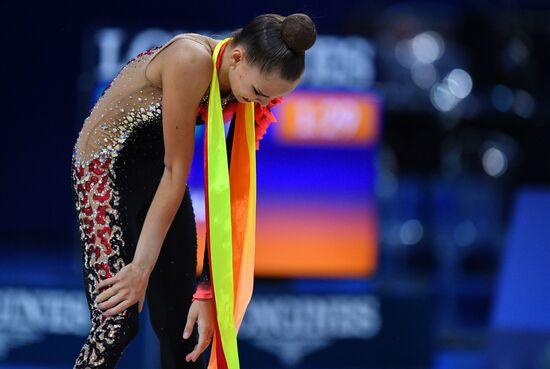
{"x": 524, "y": 104}
{"x": 411, "y": 232}
{"x": 460, "y": 83}
{"x": 494, "y": 162}
{"x": 517, "y": 51}
{"x": 502, "y": 98}
{"x": 403, "y": 53}
{"x": 427, "y": 47}
{"x": 465, "y": 233}
{"x": 423, "y": 75}
{"x": 442, "y": 98}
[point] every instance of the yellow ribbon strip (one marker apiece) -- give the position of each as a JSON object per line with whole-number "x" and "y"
{"x": 231, "y": 210}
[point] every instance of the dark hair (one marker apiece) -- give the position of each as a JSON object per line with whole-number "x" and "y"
{"x": 277, "y": 44}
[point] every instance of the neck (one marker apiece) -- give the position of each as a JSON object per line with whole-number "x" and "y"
{"x": 223, "y": 74}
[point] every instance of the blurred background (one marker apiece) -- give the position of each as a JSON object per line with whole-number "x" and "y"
{"x": 403, "y": 194}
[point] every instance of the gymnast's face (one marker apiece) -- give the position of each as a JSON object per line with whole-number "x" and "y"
{"x": 248, "y": 84}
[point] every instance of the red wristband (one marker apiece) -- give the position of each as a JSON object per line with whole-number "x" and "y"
{"x": 204, "y": 292}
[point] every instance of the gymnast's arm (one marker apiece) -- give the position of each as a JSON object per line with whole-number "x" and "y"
{"x": 185, "y": 73}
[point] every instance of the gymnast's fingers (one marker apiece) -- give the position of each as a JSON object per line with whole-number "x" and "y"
{"x": 191, "y": 319}
{"x": 204, "y": 341}
{"x": 113, "y": 301}
{"x": 105, "y": 295}
{"x": 125, "y": 304}
{"x": 105, "y": 283}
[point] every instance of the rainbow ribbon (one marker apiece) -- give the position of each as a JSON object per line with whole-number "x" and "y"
{"x": 230, "y": 220}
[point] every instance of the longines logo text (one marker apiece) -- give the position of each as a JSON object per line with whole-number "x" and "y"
{"x": 291, "y": 326}
{"x": 27, "y": 314}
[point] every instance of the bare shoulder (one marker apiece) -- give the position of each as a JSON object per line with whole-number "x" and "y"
{"x": 183, "y": 59}
{"x": 187, "y": 54}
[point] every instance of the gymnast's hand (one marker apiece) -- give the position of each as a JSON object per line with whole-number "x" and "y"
{"x": 123, "y": 290}
{"x": 200, "y": 312}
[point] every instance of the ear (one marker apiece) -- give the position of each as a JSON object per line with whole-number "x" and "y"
{"x": 236, "y": 56}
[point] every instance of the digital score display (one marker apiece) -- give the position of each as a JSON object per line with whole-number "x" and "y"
{"x": 317, "y": 118}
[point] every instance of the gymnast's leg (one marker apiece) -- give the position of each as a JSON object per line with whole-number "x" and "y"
{"x": 108, "y": 243}
{"x": 171, "y": 287}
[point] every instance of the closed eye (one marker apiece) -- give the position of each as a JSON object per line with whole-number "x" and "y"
{"x": 259, "y": 93}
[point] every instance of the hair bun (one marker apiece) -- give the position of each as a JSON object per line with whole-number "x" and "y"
{"x": 298, "y": 32}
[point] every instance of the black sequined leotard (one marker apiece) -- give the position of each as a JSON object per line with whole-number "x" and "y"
{"x": 117, "y": 164}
